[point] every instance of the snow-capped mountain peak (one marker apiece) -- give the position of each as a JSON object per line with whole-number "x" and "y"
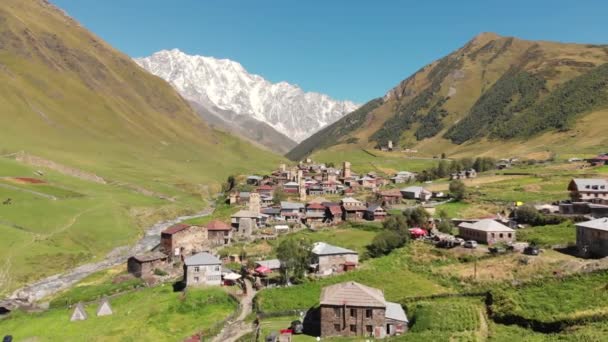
{"x": 226, "y": 85}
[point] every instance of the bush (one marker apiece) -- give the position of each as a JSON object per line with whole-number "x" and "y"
{"x": 458, "y": 190}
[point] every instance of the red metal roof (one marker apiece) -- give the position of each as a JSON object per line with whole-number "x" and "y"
{"x": 265, "y": 187}
{"x": 176, "y": 228}
{"x": 315, "y": 206}
{"x": 218, "y": 225}
{"x": 335, "y": 210}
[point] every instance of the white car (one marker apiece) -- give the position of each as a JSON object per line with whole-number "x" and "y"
{"x": 470, "y": 244}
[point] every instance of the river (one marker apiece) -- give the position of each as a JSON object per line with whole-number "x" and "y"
{"x": 31, "y": 293}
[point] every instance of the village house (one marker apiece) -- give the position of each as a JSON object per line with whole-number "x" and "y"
{"x": 329, "y": 187}
{"x": 486, "y": 231}
{"x": 592, "y": 237}
{"x": 291, "y": 187}
{"x": 601, "y": 159}
{"x": 471, "y": 173}
{"x": 254, "y": 180}
{"x": 273, "y": 265}
{"x": 352, "y": 209}
{"x": 202, "y": 269}
{"x": 594, "y": 190}
{"x": 182, "y": 240}
{"x": 266, "y": 190}
{"x": 583, "y": 208}
{"x": 375, "y": 212}
{"x": 266, "y": 201}
{"x": 315, "y": 190}
{"x": 274, "y": 214}
{"x": 258, "y": 219}
{"x": 291, "y": 208}
{"x": 367, "y": 182}
{"x": 333, "y": 213}
{"x": 143, "y": 265}
{"x": 351, "y": 309}
{"x": 328, "y": 259}
{"x": 243, "y": 197}
{"x": 390, "y": 197}
{"x": 403, "y": 177}
{"x": 416, "y": 192}
{"x": 218, "y": 233}
{"x": 315, "y": 213}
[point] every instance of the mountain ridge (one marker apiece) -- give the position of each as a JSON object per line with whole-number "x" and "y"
{"x": 225, "y": 84}
{"x": 491, "y": 91}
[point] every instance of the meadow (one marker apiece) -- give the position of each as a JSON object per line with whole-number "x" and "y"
{"x": 154, "y": 314}
{"x": 551, "y": 235}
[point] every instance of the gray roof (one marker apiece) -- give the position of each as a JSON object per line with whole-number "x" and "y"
{"x": 486, "y": 225}
{"x": 598, "y": 224}
{"x": 583, "y": 183}
{"x": 414, "y": 189}
{"x": 395, "y": 311}
{"x": 353, "y": 294}
{"x": 291, "y": 184}
{"x": 322, "y": 248}
{"x": 292, "y": 205}
{"x": 255, "y": 177}
{"x": 245, "y": 214}
{"x": 373, "y": 207}
{"x": 273, "y": 264}
{"x": 203, "y": 258}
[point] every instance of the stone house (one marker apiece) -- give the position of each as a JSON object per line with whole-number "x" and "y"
{"x": 486, "y": 231}
{"x": 333, "y": 213}
{"x": 592, "y": 237}
{"x": 416, "y": 192}
{"x": 254, "y": 180}
{"x": 291, "y": 187}
{"x": 218, "y": 233}
{"x": 265, "y": 190}
{"x": 257, "y": 218}
{"x": 403, "y": 177}
{"x": 352, "y": 209}
{"x": 375, "y": 212}
{"x": 594, "y": 190}
{"x": 351, "y": 309}
{"x": 315, "y": 213}
{"x": 390, "y": 197}
{"x": 202, "y": 269}
{"x": 143, "y": 265}
{"x": 183, "y": 240}
{"x": 328, "y": 259}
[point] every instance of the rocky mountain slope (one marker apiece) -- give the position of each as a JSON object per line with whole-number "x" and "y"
{"x": 68, "y": 96}
{"x": 224, "y": 86}
{"x": 493, "y": 95}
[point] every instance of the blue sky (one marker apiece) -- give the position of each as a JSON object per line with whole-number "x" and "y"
{"x": 348, "y": 49}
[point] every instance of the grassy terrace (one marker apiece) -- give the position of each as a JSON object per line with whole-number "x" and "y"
{"x": 389, "y": 273}
{"x": 548, "y": 301}
{"x": 551, "y": 235}
{"x": 153, "y": 314}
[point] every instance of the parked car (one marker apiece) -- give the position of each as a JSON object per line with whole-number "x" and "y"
{"x": 470, "y": 244}
{"x": 297, "y": 327}
{"x": 531, "y": 250}
{"x": 497, "y": 250}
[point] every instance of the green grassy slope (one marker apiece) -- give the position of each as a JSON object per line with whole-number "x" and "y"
{"x": 490, "y": 97}
{"x": 68, "y": 97}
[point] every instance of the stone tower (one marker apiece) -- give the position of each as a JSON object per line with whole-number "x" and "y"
{"x": 282, "y": 167}
{"x": 302, "y": 189}
{"x": 300, "y": 177}
{"x": 254, "y": 203}
{"x": 346, "y": 170}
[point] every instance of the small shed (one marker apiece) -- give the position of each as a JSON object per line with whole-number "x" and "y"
{"x": 79, "y": 314}
{"x": 104, "y": 308}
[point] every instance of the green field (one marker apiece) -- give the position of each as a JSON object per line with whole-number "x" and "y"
{"x": 551, "y": 235}
{"x": 554, "y": 300}
{"x": 389, "y": 273}
{"x": 153, "y": 314}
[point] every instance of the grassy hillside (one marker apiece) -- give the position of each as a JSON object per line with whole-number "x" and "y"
{"x": 489, "y": 97}
{"x": 70, "y": 98}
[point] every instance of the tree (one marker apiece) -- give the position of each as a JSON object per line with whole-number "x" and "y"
{"x": 442, "y": 169}
{"x": 395, "y": 223}
{"x": 295, "y": 254}
{"x": 458, "y": 190}
{"x": 445, "y": 224}
{"x": 416, "y": 217}
{"x": 230, "y": 184}
{"x": 443, "y": 155}
{"x": 278, "y": 195}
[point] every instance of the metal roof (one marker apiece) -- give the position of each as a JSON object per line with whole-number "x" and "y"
{"x": 598, "y": 224}
{"x": 291, "y": 205}
{"x": 352, "y": 294}
{"x": 203, "y": 258}
{"x": 486, "y": 225}
{"x": 395, "y": 311}
{"x": 273, "y": 264}
{"x": 322, "y": 248}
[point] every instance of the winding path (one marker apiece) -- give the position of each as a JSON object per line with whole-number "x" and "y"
{"x": 232, "y": 331}
{"x": 34, "y": 292}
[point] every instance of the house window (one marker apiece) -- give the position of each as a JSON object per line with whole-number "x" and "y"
{"x": 353, "y": 313}
{"x": 500, "y": 235}
{"x": 492, "y": 235}
{"x": 509, "y": 235}
{"x": 369, "y": 329}
{"x": 337, "y": 312}
{"x": 353, "y": 328}
{"x": 196, "y": 279}
{"x": 196, "y": 269}
{"x": 217, "y": 268}
{"x": 337, "y": 327}
{"x": 368, "y": 313}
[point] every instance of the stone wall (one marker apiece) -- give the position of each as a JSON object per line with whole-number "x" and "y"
{"x": 334, "y": 263}
{"x": 189, "y": 241}
{"x": 339, "y": 323}
{"x": 203, "y": 275}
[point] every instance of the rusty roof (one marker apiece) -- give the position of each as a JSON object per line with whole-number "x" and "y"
{"x": 151, "y": 256}
{"x": 218, "y": 225}
{"x": 176, "y": 228}
{"x": 351, "y": 293}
